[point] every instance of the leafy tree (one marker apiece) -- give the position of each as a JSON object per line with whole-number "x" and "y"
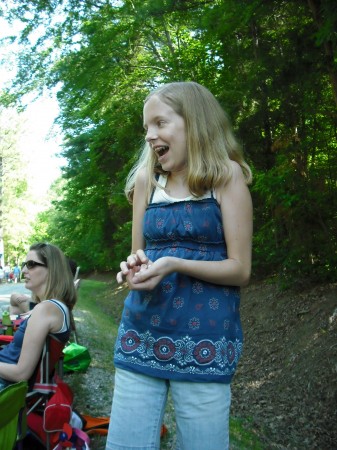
{"x": 14, "y": 226}
{"x": 272, "y": 66}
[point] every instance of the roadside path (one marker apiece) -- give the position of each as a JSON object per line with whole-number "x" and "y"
{"x": 6, "y": 289}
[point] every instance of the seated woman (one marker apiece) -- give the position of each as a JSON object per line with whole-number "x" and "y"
{"x": 48, "y": 275}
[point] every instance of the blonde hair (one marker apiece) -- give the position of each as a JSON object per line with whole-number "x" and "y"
{"x": 211, "y": 144}
{"x": 60, "y": 281}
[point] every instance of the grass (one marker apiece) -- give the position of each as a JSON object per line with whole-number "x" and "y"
{"x": 97, "y": 316}
{"x": 243, "y": 436}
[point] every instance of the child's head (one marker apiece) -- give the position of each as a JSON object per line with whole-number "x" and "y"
{"x": 204, "y": 118}
{"x": 210, "y": 140}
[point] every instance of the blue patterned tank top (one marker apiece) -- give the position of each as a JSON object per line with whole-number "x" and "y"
{"x": 185, "y": 329}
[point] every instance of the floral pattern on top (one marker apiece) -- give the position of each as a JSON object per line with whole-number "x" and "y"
{"x": 185, "y": 329}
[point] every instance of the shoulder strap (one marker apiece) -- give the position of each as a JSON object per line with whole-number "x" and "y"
{"x": 157, "y": 175}
{"x": 62, "y": 307}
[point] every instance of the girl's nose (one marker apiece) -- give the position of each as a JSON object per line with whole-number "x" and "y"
{"x": 151, "y": 134}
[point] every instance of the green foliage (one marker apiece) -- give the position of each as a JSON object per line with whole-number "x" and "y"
{"x": 15, "y": 197}
{"x": 298, "y": 223}
{"x": 271, "y": 64}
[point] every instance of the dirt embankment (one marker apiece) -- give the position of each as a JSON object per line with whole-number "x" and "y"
{"x": 287, "y": 377}
{"x": 286, "y": 381}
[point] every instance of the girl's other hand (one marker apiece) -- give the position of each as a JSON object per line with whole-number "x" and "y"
{"x": 137, "y": 259}
{"x": 149, "y": 275}
{"x": 134, "y": 261}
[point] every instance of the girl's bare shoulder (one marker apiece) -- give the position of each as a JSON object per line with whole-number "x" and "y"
{"x": 234, "y": 178}
{"x": 142, "y": 174}
{"x": 237, "y": 174}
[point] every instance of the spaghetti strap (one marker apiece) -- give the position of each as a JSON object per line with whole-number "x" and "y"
{"x": 157, "y": 175}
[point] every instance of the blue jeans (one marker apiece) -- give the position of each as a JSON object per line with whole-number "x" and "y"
{"x": 138, "y": 406}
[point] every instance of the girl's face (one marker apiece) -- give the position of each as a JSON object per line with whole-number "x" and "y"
{"x": 35, "y": 277}
{"x": 166, "y": 134}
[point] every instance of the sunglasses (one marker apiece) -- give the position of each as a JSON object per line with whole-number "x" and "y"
{"x": 31, "y": 264}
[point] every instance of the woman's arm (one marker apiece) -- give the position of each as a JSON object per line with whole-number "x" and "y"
{"x": 45, "y": 318}
{"x": 236, "y": 208}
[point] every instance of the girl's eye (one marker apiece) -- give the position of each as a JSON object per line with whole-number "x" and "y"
{"x": 161, "y": 123}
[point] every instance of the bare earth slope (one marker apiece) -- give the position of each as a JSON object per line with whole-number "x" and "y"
{"x": 287, "y": 377}
{"x": 286, "y": 383}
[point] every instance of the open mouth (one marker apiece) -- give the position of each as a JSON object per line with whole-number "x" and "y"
{"x": 162, "y": 150}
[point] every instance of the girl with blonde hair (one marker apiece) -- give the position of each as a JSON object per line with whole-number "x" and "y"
{"x": 191, "y": 253}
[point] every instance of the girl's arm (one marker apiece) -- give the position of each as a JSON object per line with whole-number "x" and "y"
{"x": 236, "y": 208}
{"x": 45, "y": 318}
{"x": 140, "y": 204}
{"x": 137, "y": 256}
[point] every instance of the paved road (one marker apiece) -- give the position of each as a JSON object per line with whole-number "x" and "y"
{"x": 6, "y": 289}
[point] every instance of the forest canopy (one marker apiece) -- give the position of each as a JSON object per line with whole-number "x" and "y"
{"x": 273, "y": 67}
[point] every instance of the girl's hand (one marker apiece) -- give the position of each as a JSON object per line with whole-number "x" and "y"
{"x": 147, "y": 276}
{"x": 134, "y": 261}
